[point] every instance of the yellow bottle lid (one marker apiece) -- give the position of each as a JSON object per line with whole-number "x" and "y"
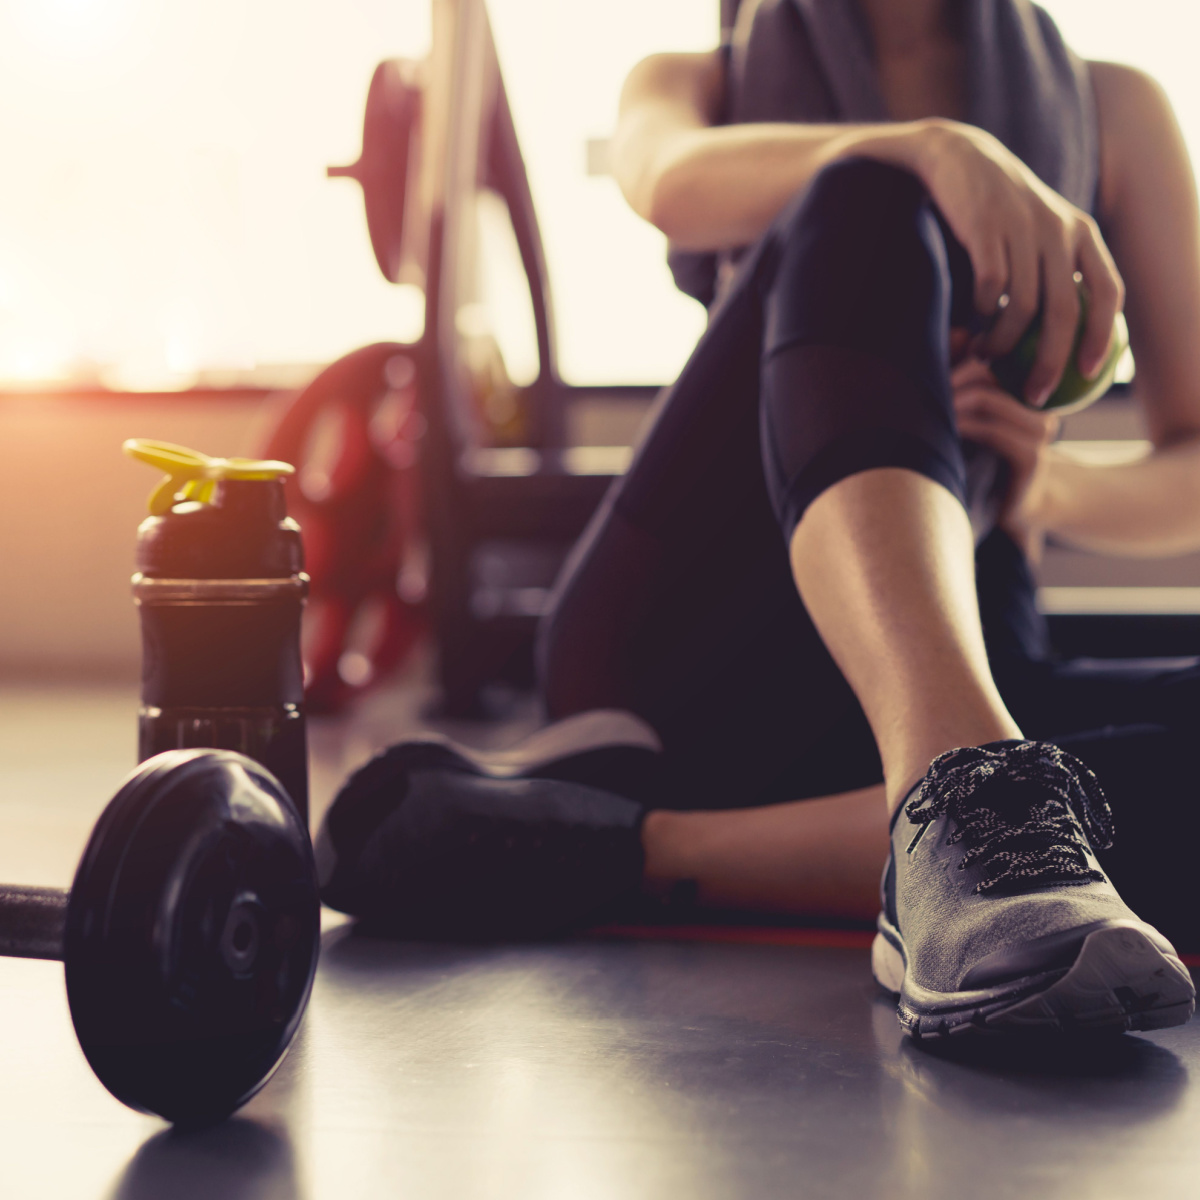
{"x": 192, "y": 475}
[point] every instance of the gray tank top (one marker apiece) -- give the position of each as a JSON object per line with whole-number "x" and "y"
{"x": 812, "y": 61}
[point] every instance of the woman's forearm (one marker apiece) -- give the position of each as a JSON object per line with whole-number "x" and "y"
{"x": 1142, "y": 509}
{"x": 716, "y": 188}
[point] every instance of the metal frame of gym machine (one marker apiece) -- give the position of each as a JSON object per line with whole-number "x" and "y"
{"x": 473, "y": 498}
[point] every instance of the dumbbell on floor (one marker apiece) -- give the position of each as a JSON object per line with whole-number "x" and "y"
{"x": 189, "y": 936}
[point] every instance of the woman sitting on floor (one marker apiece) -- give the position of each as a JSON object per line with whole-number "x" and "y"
{"x": 812, "y": 589}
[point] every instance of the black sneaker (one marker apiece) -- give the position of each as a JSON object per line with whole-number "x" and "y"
{"x": 996, "y": 915}
{"x": 432, "y": 840}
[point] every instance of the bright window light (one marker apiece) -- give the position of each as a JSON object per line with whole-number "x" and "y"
{"x": 1159, "y": 36}
{"x": 619, "y": 315}
{"x": 166, "y": 219}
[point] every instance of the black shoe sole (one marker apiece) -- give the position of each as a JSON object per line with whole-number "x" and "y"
{"x": 1120, "y": 980}
{"x": 552, "y": 749}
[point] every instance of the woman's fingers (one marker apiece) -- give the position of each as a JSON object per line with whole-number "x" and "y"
{"x": 1013, "y": 444}
{"x": 971, "y": 371}
{"x": 989, "y": 262}
{"x": 985, "y": 414}
{"x": 1022, "y": 292}
{"x": 1018, "y": 451}
{"x": 1019, "y": 435}
{"x": 1060, "y": 323}
{"x": 1025, "y": 265}
{"x": 1106, "y": 298}
{"x": 960, "y": 344}
{"x": 1026, "y": 244}
{"x": 986, "y": 404}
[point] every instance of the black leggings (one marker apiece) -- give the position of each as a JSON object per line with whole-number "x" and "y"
{"x": 827, "y": 355}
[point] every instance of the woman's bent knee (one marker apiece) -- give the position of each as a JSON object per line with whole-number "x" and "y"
{"x": 854, "y": 190}
{"x": 861, "y": 262}
{"x": 856, "y": 352}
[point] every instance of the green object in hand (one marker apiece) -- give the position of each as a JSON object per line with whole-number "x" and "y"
{"x": 1074, "y": 391}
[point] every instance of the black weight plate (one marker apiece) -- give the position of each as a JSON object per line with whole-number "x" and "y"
{"x": 390, "y": 124}
{"x": 192, "y": 935}
{"x": 392, "y": 108}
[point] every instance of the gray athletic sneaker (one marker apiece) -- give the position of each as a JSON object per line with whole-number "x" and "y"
{"x": 996, "y": 914}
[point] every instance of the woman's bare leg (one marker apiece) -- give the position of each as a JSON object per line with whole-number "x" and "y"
{"x": 884, "y": 561}
{"x": 812, "y": 858}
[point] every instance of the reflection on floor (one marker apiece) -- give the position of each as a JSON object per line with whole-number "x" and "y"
{"x": 603, "y": 1070}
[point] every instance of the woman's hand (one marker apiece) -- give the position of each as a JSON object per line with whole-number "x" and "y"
{"x": 987, "y": 414}
{"x": 1025, "y": 243}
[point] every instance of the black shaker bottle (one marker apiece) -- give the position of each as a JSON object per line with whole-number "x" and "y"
{"x": 220, "y": 586}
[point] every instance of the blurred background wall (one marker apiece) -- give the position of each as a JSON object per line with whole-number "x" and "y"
{"x": 70, "y": 505}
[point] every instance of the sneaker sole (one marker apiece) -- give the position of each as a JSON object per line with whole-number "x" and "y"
{"x": 1119, "y": 981}
{"x": 597, "y": 731}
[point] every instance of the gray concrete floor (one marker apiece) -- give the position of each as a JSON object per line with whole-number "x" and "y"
{"x": 589, "y": 1069}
